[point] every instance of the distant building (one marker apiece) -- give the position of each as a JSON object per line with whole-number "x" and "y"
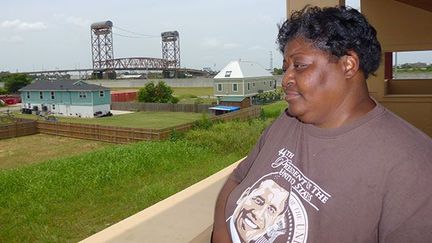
{"x": 68, "y": 98}
{"x": 239, "y": 81}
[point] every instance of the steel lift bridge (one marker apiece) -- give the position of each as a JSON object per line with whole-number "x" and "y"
{"x": 105, "y": 65}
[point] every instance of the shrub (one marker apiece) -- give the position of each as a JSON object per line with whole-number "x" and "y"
{"x": 204, "y": 123}
{"x": 175, "y": 100}
{"x": 273, "y": 110}
{"x": 159, "y": 93}
{"x": 2, "y": 91}
{"x": 176, "y": 135}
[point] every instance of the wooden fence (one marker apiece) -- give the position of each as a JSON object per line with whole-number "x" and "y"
{"x": 20, "y": 127}
{"x": 98, "y": 132}
{"x": 127, "y": 135}
{"x": 110, "y": 133}
{"x": 137, "y": 106}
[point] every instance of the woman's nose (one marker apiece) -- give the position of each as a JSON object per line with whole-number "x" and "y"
{"x": 288, "y": 78}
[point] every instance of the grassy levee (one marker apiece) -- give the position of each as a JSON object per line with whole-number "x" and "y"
{"x": 69, "y": 199}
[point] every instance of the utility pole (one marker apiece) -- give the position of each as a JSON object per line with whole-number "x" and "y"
{"x": 271, "y": 61}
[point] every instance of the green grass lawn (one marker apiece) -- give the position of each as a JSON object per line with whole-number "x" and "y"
{"x": 26, "y": 150}
{"x": 196, "y": 91}
{"x": 69, "y": 199}
{"x": 146, "y": 119}
{"x": 195, "y": 95}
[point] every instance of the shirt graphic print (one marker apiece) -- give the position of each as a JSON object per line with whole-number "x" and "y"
{"x": 272, "y": 207}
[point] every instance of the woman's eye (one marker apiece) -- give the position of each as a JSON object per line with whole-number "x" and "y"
{"x": 299, "y": 66}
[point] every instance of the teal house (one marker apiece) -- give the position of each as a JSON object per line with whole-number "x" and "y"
{"x": 66, "y": 97}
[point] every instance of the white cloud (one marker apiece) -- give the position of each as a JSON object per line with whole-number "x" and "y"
{"x": 257, "y": 47}
{"x": 12, "y": 39}
{"x": 213, "y": 43}
{"x": 230, "y": 45}
{"x": 21, "y": 25}
{"x": 77, "y": 21}
{"x": 264, "y": 18}
{"x": 210, "y": 43}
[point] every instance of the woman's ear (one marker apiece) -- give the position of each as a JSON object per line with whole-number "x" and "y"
{"x": 351, "y": 64}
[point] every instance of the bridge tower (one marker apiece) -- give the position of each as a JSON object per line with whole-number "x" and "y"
{"x": 102, "y": 49}
{"x": 171, "y": 50}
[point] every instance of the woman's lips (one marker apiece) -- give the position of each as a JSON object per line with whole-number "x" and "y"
{"x": 291, "y": 95}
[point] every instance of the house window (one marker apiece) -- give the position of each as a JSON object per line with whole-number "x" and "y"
{"x": 41, "y": 94}
{"x": 228, "y": 74}
{"x": 219, "y": 87}
{"x": 83, "y": 95}
{"x": 101, "y": 93}
{"x": 248, "y": 86}
{"x": 28, "y": 95}
{"x": 270, "y": 83}
{"x": 253, "y": 84}
{"x": 234, "y": 87}
{"x": 53, "y": 107}
{"x": 52, "y": 95}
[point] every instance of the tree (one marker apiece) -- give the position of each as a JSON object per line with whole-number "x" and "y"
{"x": 148, "y": 93}
{"x": 277, "y": 71}
{"x": 159, "y": 93}
{"x": 15, "y": 81}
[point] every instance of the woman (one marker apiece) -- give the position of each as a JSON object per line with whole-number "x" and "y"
{"x": 336, "y": 166}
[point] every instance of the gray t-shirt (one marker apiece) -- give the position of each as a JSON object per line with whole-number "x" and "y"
{"x": 368, "y": 181}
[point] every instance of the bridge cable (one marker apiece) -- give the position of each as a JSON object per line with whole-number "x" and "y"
{"x": 136, "y": 33}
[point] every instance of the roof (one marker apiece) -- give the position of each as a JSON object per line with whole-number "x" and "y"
{"x": 242, "y": 69}
{"x": 225, "y": 108}
{"x": 58, "y": 85}
{"x": 232, "y": 98}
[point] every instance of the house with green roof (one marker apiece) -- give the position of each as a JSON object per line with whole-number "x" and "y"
{"x": 66, "y": 97}
{"x": 239, "y": 81}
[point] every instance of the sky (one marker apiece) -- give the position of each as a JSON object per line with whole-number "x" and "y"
{"x": 50, "y": 35}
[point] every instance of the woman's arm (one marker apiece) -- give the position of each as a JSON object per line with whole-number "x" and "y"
{"x": 220, "y": 230}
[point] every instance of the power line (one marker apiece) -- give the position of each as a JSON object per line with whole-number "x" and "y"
{"x": 127, "y": 36}
{"x": 135, "y": 33}
{"x": 130, "y": 36}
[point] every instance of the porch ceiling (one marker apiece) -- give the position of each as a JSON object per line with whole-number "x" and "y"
{"x": 423, "y": 4}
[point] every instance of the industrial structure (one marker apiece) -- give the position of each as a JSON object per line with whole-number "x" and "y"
{"x": 102, "y": 49}
{"x": 171, "y": 49}
{"x": 104, "y": 65}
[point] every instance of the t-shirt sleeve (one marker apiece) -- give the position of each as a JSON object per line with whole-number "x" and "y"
{"x": 407, "y": 205}
{"x": 242, "y": 169}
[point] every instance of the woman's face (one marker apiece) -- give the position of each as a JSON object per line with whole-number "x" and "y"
{"x": 314, "y": 83}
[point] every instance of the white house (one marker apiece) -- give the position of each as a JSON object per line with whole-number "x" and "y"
{"x": 242, "y": 79}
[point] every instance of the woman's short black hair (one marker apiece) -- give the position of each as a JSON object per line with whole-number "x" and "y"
{"x": 335, "y": 30}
